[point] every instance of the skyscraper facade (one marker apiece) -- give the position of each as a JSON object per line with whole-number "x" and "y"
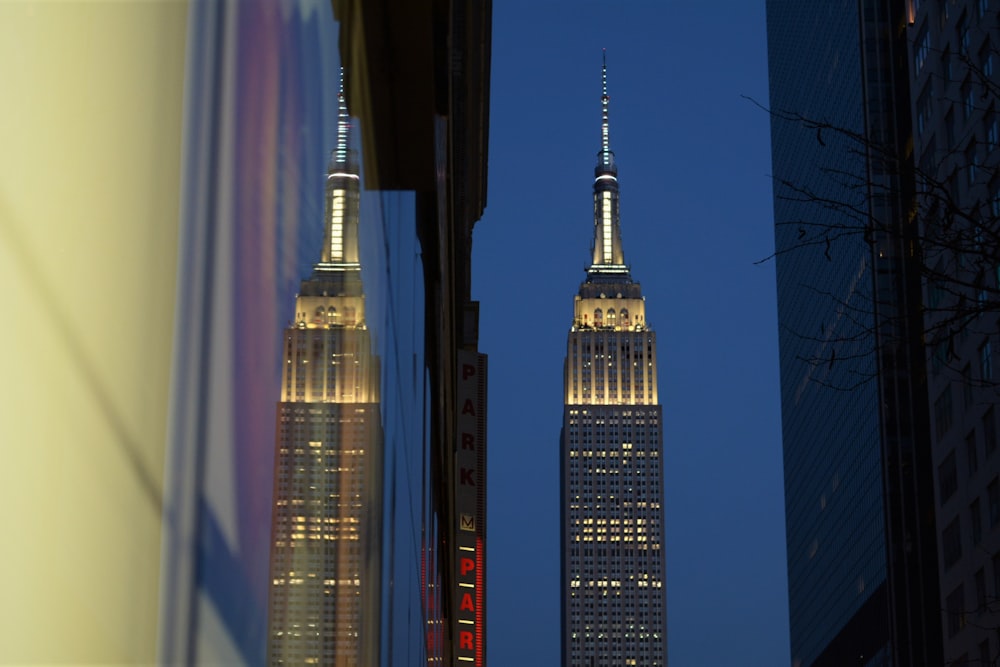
{"x": 861, "y": 548}
{"x": 955, "y": 98}
{"x": 613, "y": 563}
{"x": 326, "y": 540}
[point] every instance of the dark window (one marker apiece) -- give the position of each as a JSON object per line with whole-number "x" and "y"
{"x": 943, "y": 412}
{"x": 989, "y": 432}
{"x": 956, "y": 611}
{"x": 993, "y": 497}
{"x": 971, "y": 453}
{"x": 996, "y": 576}
{"x": 947, "y": 477}
{"x": 924, "y": 109}
{"x": 951, "y": 542}
{"x": 966, "y": 387}
{"x": 981, "y": 602}
{"x": 922, "y": 48}
{"x": 963, "y": 36}
{"x": 972, "y": 161}
{"x": 986, "y": 361}
{"x": 986, "y": 60}
{"x": 976, "y": 522}
{"x": 935, "y": 292}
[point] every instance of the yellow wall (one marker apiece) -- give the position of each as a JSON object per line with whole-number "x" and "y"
{"x": 90, "y": 147}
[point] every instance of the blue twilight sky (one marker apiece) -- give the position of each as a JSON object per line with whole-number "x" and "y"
{"x": 696, "y": 211}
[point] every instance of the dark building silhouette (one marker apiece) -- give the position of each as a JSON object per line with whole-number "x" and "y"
{"x": 952, "y": 66}
{"x": 859, "y": 497}
{"x": 613, "y": 585}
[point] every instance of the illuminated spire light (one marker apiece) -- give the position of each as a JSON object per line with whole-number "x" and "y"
{"x": 343, "y": 123}
{"x": 340, "y": 250}
{"x": 608, "y": 257}
{"x": 605, "y": 140}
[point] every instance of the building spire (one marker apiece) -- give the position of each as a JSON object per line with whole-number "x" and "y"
{"x": 608, "y": 257}
{"x": 340, "y": 239}
{"x": 343, "y": 125}
{"x": 606, "y": 155}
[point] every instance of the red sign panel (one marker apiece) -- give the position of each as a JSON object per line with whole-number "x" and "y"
{"x": 468, "y": 626}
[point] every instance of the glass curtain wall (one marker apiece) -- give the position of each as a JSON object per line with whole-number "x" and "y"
{"x": 283, "y": 498}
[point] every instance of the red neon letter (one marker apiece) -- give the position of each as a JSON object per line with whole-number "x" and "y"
{"x": 469, "y": 408}
{"x": 467, "y": 565}
{"x": 467, "y": 603}
{"x": 468, "y": 441}
{"x": 468, "y": 370}
{"x": 465, "y": 640}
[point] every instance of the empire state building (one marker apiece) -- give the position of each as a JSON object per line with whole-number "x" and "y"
{"x": 613, "y": 562}
{"x": 327, "y": 514}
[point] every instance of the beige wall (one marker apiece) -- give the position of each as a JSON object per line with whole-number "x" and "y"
{"x": 90, "y": 138}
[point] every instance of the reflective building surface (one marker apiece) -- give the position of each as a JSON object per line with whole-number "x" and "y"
{"x": 613, "y": 586}
{"x": 355, "y": 472}
{"x": 858, "y": 495}
{"x": 327, "y": 517}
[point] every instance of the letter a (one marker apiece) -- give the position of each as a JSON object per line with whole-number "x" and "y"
{"x": 467, "y": 604}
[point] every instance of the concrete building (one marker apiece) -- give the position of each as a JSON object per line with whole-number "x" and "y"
{"x": 952, "y": 64}
{"x": 613, "y": 585}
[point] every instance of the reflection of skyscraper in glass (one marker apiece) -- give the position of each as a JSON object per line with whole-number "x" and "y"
{"x": 327, "y": 515}
{"x": 614, "y": 608}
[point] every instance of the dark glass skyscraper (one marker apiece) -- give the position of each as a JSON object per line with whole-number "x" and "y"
{"x": 862, "y": 567}
{"x": 614, "y": 609}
